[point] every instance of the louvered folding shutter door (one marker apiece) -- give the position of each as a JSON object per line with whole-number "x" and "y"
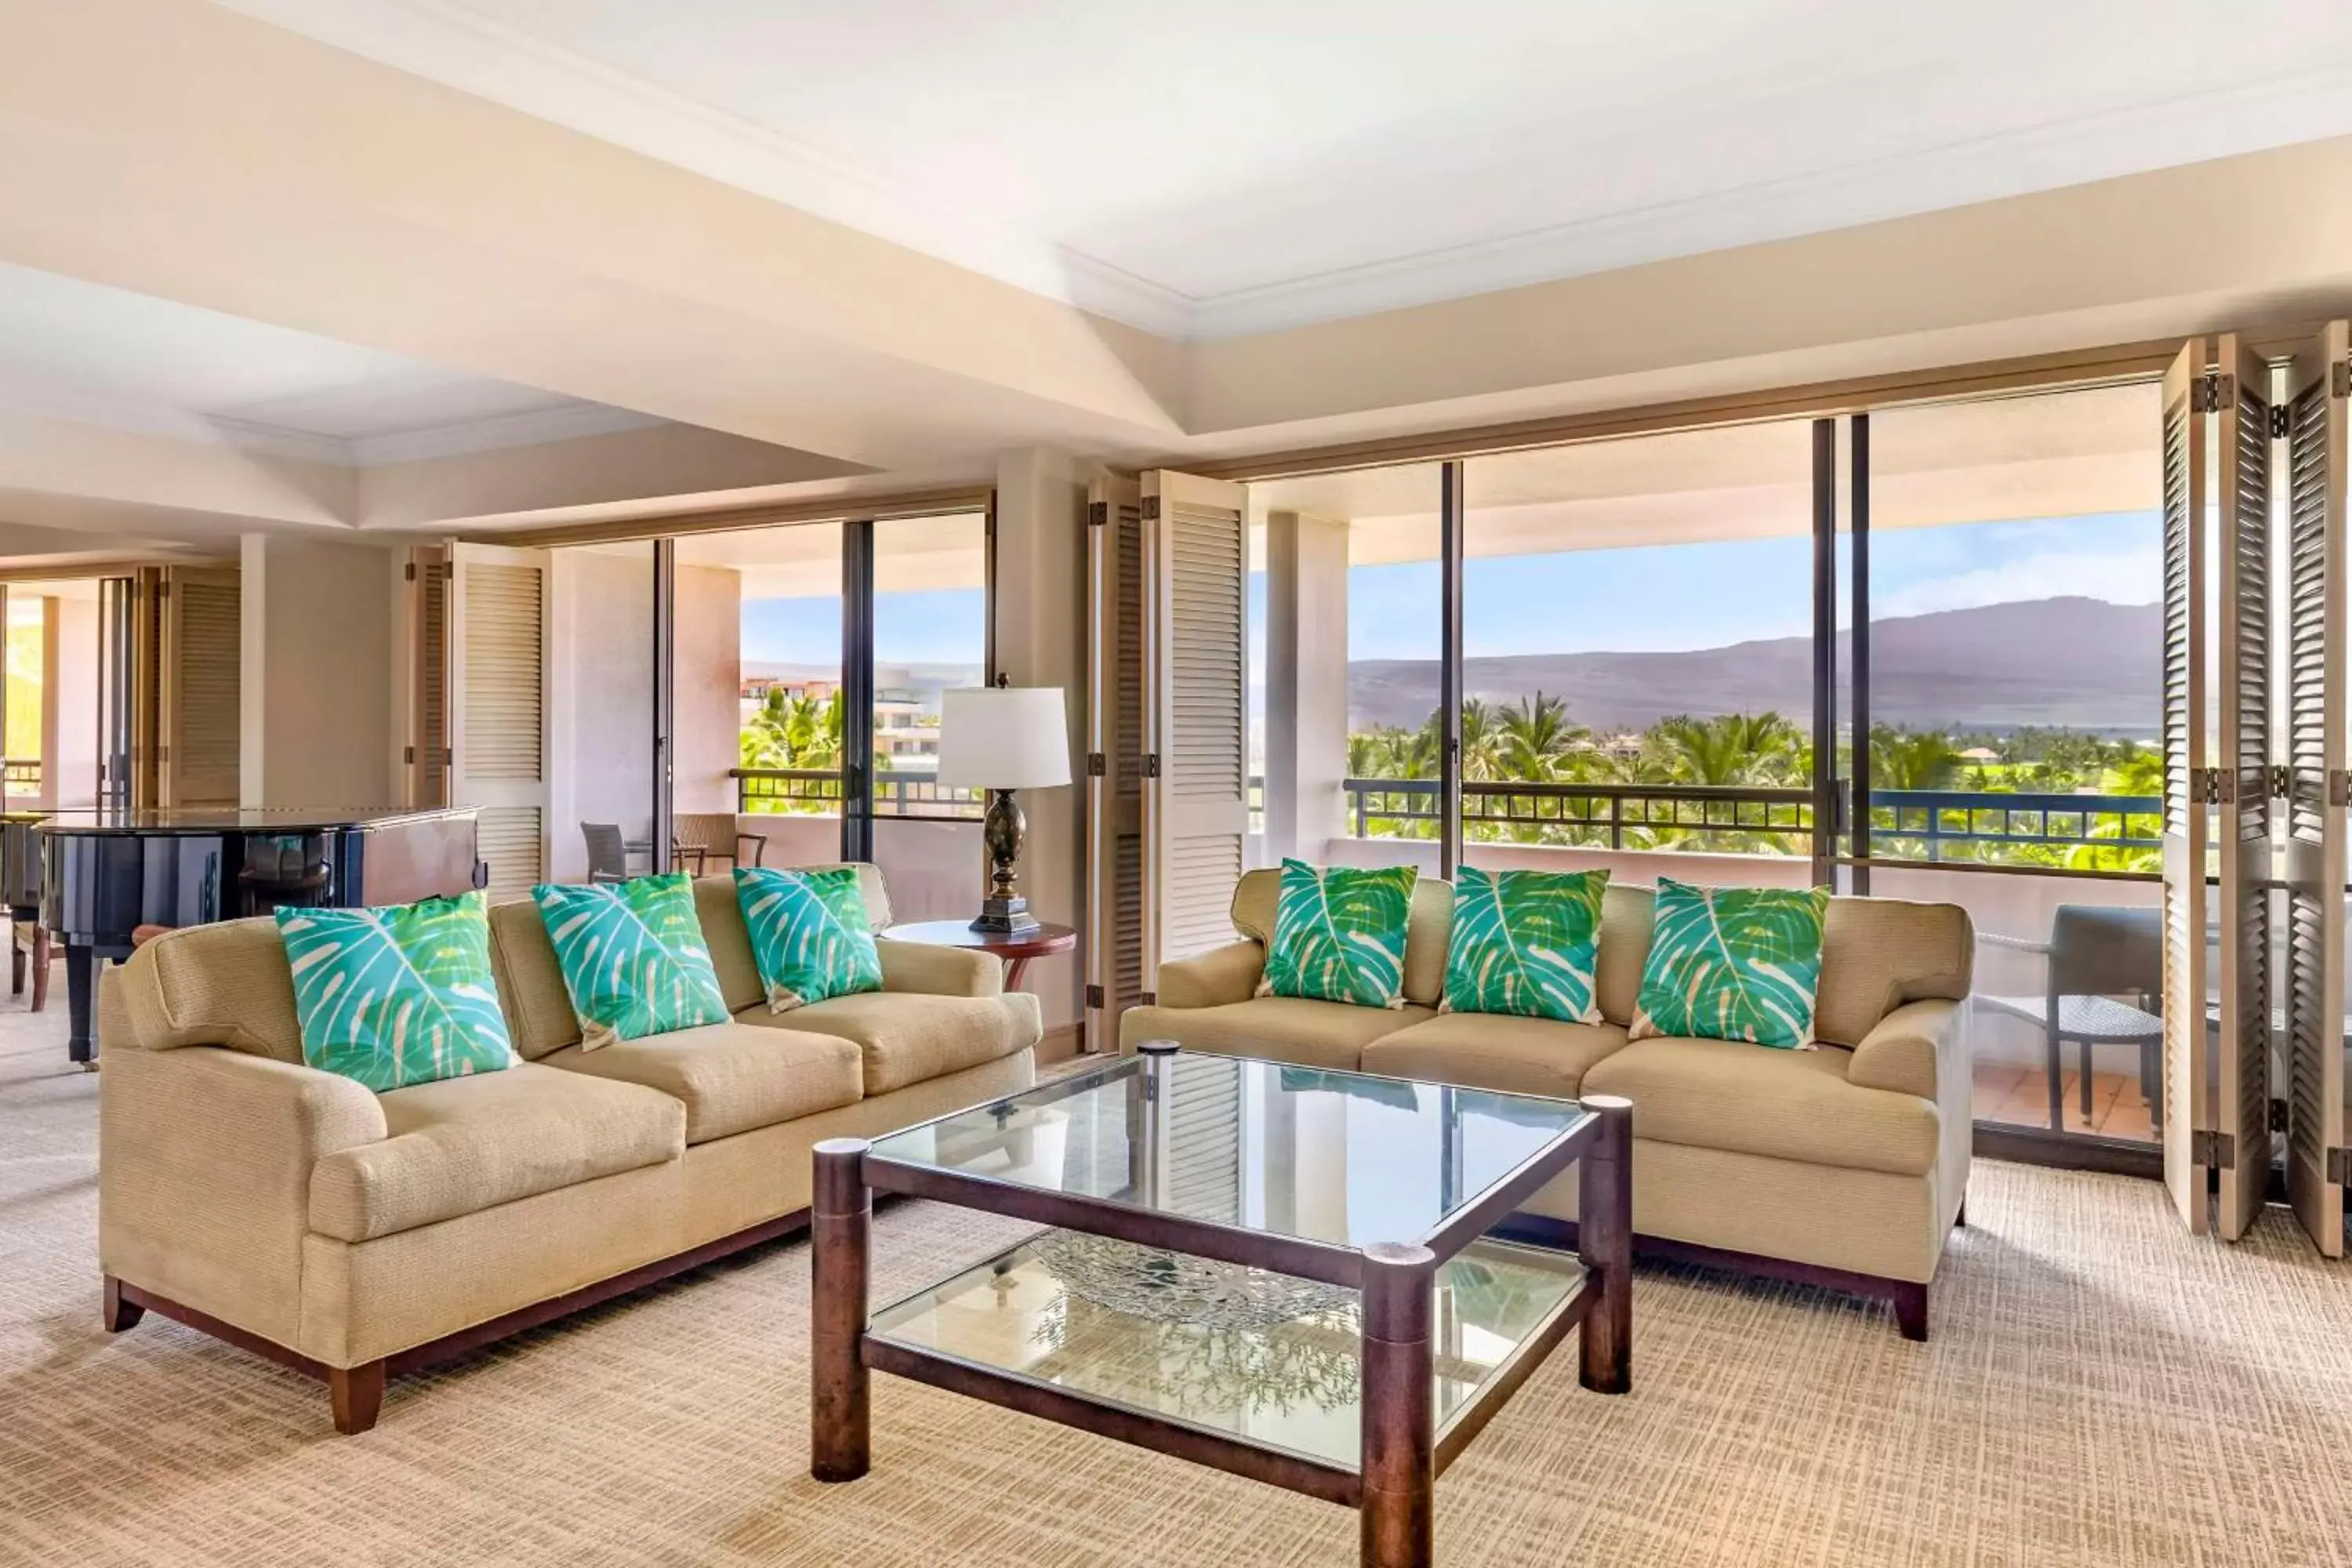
{"x": 2185, "y": 1052}
{"x": 1196, "y": 796}
{"x": 2243, "y": 825}
{"x": 498, "y": 726}
{"x": 203, "y": 648}
{"x": 1115, "y": 621}
{"x": 428, "y": 718}
{"x": 2315, "y": 785}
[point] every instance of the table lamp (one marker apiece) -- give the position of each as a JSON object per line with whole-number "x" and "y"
{"x": 1002, "y": 738}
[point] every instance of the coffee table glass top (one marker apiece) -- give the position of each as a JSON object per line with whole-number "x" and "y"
{"x": 1270, "y": 1361}
{"x": 1339, "y": 1158}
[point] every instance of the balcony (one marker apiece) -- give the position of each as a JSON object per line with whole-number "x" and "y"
{"x": 816, "y": 792}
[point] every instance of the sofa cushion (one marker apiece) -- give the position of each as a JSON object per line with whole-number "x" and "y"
{"x": 1340, "y": 933}
{"x": 730, "y": 1077}
{"x": 1628, "y": 914}
{"x": 468, "y": 1143}
{"x": 1524, "y": 943}
{"x": 397, "y": 995}
{"x": 1277, "y": 1029}
{"x": 226, "y": 984}
{"x": 1430, "y": 927}
{"x": 539, "y": 1018}
{"x": 907, "y": 1037}
{"x": 729, "y": 940}
{"x": 1493, "y": 1050}
{"x": 1879, "y": 953}
{"x": 808, "y": 934}
{"x": 1786, "y": 1105}
{"x": 632, "y": 956}
{"x": 1733, "y": 963}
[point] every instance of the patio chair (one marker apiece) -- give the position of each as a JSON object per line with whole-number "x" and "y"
{"x": 2105, "y": 967}
{"x": 608, "y": 853}
{"x": 707, "y": 836}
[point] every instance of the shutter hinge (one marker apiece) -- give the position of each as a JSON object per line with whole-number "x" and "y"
{"x": 2278, "y": 1116}
{"x": 2339, "y": 790}
{"x": 2213, "y": 394}
{"x": 1149, "y": 998}
{"x": 2215, "y": 1150}
{"x": 1095, "y": 998}
{"x": 1151, "y": 764}
{"x": 2213, "y": 786}
{"x": 2339, "y": 1167}
{"x": 2340, "y": 379}
{"x": 2282, "y": 781}
{"x": 1097, "y": 765}
{"x": 1151, "y": 509}
{"x": 1097, "y": 513}
{"x": 408, "y": 753}
{"x": 2281, "y": 422}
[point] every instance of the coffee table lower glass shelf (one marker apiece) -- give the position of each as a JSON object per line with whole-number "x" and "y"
{"x": 1233, "y": 1355}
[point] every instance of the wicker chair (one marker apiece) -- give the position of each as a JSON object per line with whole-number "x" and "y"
{"x": 608, "y": 852}
{"x": 707, "y": 836}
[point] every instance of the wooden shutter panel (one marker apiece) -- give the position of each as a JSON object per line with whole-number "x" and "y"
{"x": 203, "y": 648}
{"x": 1114, "y": 622}
{"x": 2185, "y": 1051}
{"x": 2316, "y": 785}
{"x": 1196, "y": 788}
{"x": 428, "y": 718}
{"x": 2243, "y": 1038}
{"x": 498, "y": 726}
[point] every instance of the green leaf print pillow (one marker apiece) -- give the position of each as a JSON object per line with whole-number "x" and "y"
{"x": 397, "y": 996}
{"x": 1339, "y": 934}
{"x": 1525, "y": 943}
{"x": 808, "y": 934}
{"x": 632, "y": 956}
{"x": 1733, "y": 963}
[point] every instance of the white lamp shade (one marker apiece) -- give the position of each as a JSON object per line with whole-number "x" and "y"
{"x": 1003, "y": 737}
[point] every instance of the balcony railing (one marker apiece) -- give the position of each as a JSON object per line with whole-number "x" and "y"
{"x": 817, "y": 791}
{"x": 2045, "y": 831}
{"x": 20, "y": 775}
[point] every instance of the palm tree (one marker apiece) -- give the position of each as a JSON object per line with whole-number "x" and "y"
{"x": 1536, "y": 734}
{"x": 1903, "y": 759}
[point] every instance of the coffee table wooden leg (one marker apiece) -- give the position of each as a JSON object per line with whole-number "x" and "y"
{"x": 841, "y": 1220}
{"x": 1399, "y": 1435}
{"x": 1604, "y": 1228}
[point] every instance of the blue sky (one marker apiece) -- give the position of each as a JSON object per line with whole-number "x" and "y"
{"x": 1688, "y": 595}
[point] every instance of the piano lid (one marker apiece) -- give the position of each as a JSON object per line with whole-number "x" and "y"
{"x": 86, "y": 820}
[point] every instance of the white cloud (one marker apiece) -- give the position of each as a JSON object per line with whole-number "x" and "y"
{"x": 2134, "y": 576}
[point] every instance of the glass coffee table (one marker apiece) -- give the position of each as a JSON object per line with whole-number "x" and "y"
{"x": 1278, "y": 1272}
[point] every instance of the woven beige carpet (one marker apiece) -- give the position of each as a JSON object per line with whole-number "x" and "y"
{"x": 2102, "y": 1390}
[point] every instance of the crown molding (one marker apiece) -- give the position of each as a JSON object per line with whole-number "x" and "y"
{"x": 532, "y": 427}
{"x": 445, "y": 42}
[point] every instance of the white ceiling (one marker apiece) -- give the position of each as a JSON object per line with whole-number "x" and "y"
{"x": 1223, "y": 166}
{"x": 85, "y": 352}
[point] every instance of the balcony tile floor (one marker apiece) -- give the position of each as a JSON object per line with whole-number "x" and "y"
{"x": 2019, "y": 1097}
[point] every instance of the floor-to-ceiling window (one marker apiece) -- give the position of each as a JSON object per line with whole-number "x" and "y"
{"x": 2016, "y": 580}
{"x": 1638, "y": 661}
{"x": 930, "y": 634}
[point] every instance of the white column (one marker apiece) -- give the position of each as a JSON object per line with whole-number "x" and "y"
{"x": 1306, "y": 685}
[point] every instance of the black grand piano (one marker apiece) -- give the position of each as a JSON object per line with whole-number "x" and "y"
{"x": 106, "y": 873}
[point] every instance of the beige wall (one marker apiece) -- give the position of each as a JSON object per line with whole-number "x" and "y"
{"x": 600, "y": 691}
{"x": 317, "y": 680}
{"x": 1040, "y": 616}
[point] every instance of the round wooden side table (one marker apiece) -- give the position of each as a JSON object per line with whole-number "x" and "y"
{"x": 1015, "y": 950}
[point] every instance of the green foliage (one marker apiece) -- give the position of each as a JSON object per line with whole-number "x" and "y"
{"x": 397, "y": 996}
{"x": 1733, "y": 963}
{"x": 1525, "y": 943}
{"x": 1339, "y": 934}
{"x": 800, "y": 732}
{"x": 808, "y": 934}
{"x": 632, "y": 956}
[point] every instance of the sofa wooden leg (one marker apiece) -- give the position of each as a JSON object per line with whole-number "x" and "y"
{"x": 119, "y": 1313}
{"x": 1911, "y": 1310}
{"x": 1960, "y": 1220}
{"x": 357, "y": 1394}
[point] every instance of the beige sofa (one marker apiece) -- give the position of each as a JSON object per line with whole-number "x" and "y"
{"x": 353, "y": 1235}
{"x": 1844, "y": 1166}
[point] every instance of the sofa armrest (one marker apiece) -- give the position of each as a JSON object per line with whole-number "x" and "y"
{"x": 1212, "y": 979}
{"x": 204, "y": 1159}
{"x": 1911, "y": 1049}
{"x": 939, "y": 971}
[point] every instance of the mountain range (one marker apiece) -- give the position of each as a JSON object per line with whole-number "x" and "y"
{"x": 2066, "y": 662}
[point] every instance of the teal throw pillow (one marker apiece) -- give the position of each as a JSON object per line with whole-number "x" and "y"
{"x": 1734, "y": 963}
{"x": 632, "y": 956}
{"x": 397, "y": 996}
{"x": 1525, "y": 943}
{"x": 808, "y": 934}
{"x": 1339, "y": 934}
